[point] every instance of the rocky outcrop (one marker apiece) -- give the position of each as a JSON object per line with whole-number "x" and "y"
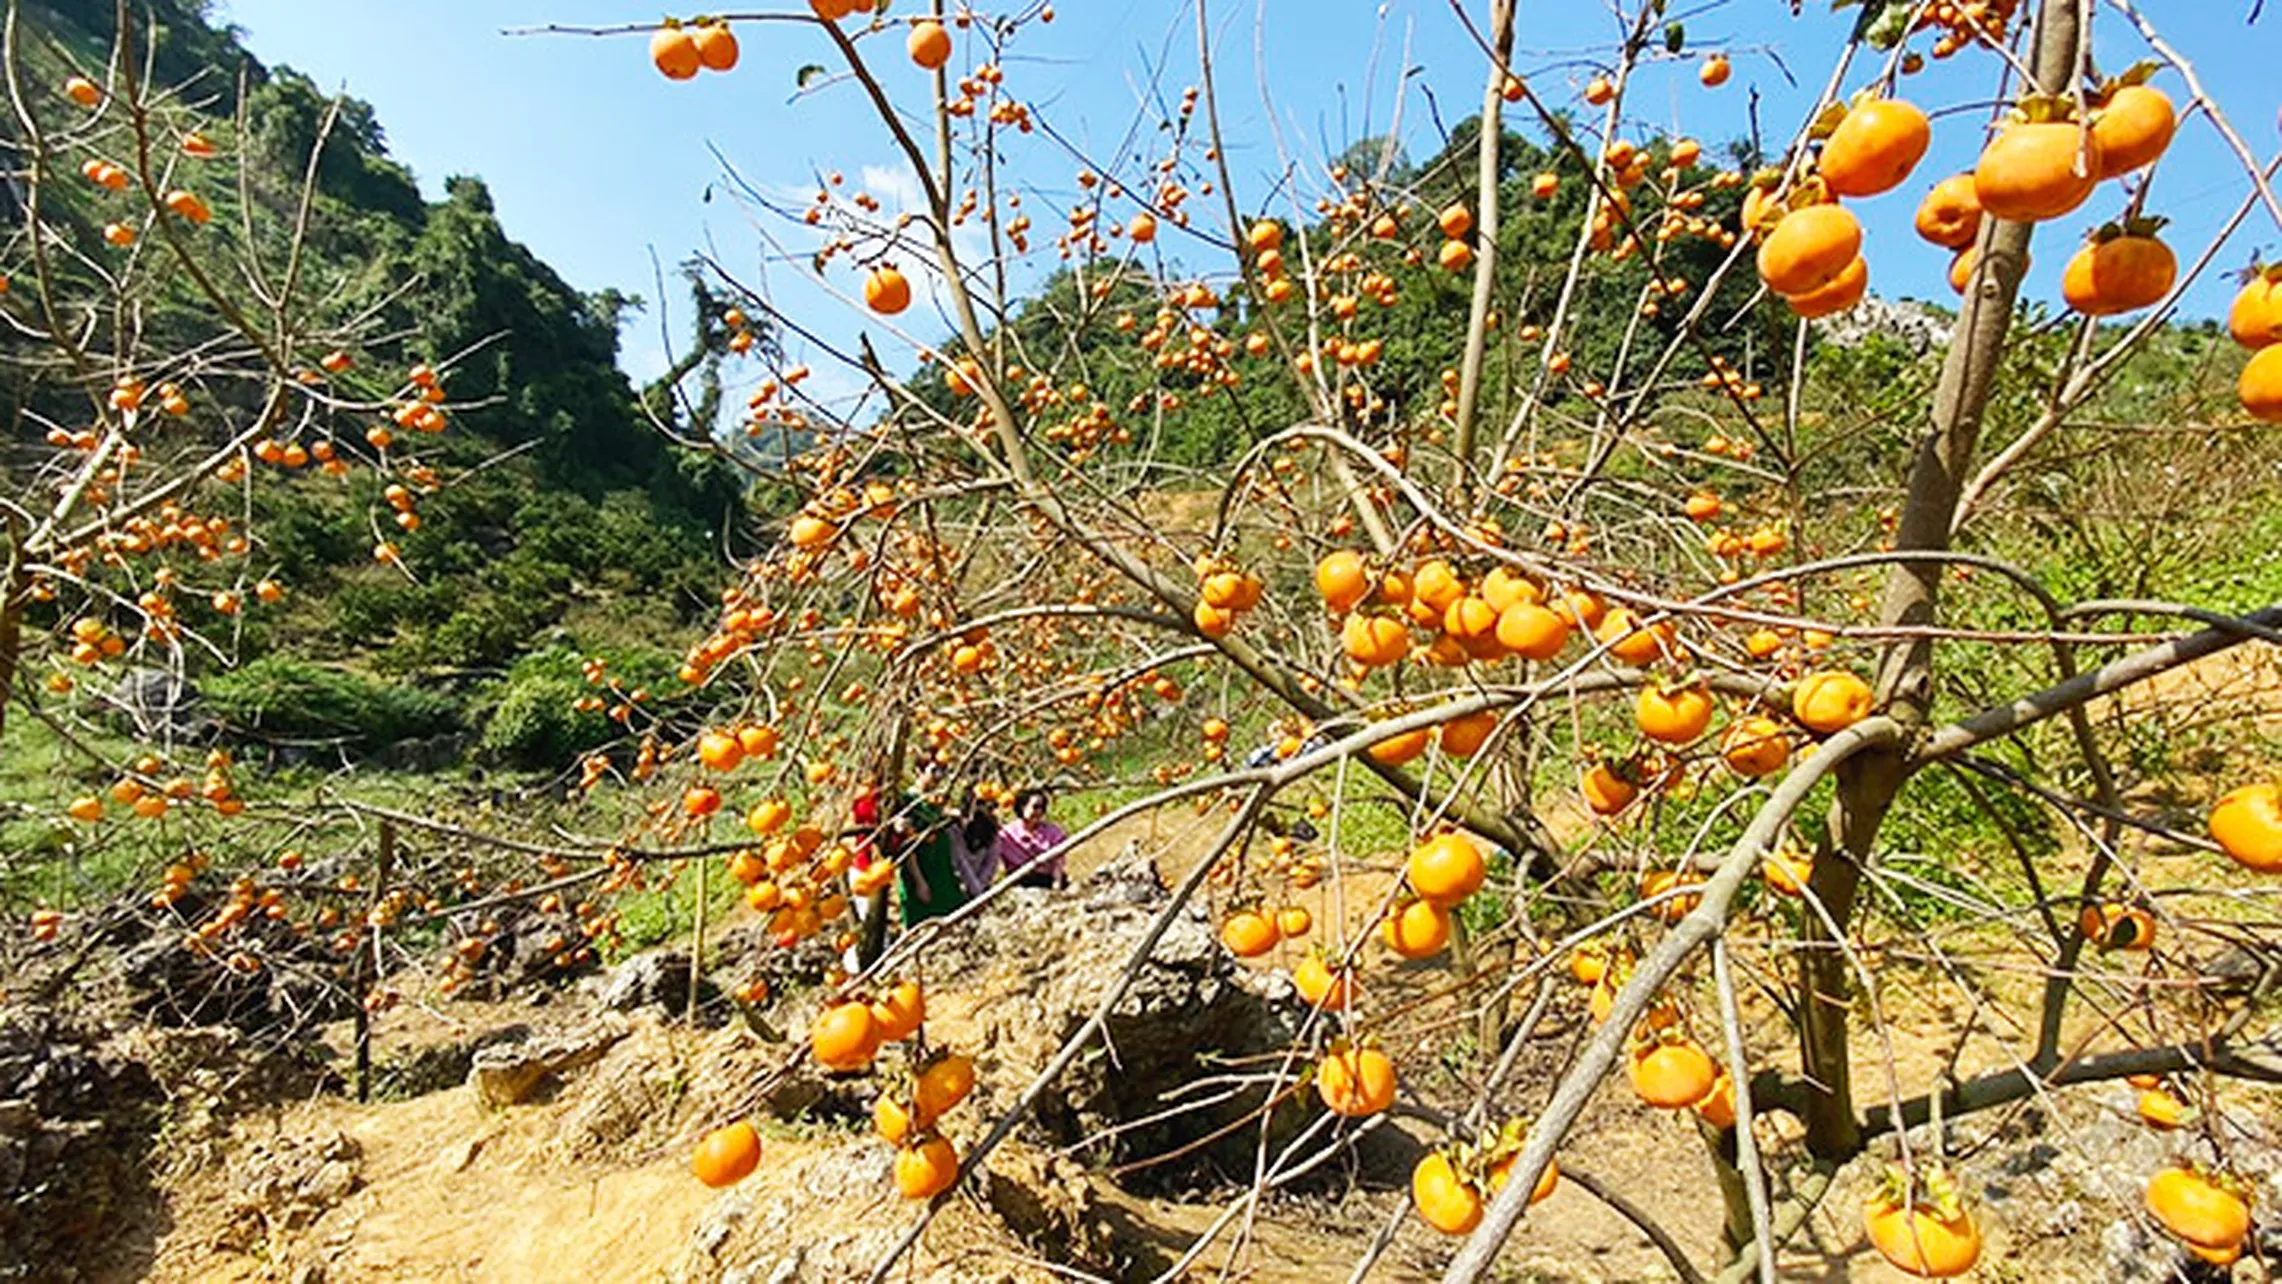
{"x": 1024, "y": 977}
{"x": 506, "y": 1072}
{"x": 284, "y": 1184}
{"x": 77, "y": 1121}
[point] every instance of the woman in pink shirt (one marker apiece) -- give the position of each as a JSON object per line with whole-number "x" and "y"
{"x": 1030, "y": 846}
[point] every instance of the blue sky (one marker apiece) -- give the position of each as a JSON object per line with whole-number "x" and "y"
{"x": 596, "y": 161}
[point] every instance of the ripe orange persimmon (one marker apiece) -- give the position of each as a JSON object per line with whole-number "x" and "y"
{"x": 1718, "y": 1106}
{"x": 1464, "y": 736}
{"x": 1950, "y": 214}
{"x": 2160, "y": 1110}
{"x": 1787, "y": 872}
{"x": 727, "y": 1155}
{"x": 1672, "y": 1073}
{"x": 1293, "y": 922}
{"x": 943, "y": 1082}
{"x": 716, "y": 46}
{"x": 2120, "y": 273}
{"x": 83, "y": 91}
{"x": 1436, "y": 585}
{"x": 893, "y": 1120}
{"x": 1874, "y": 148}
{"x": 2246, "y": 823}
{"x": 1607, "y": 791}
{"x": 1809, "y": 248}
{"x": 1447, "y": 1202}
{"x": 1582, "y": 608}
{"x": 2036, "y": 170}
{"x": 811, "y": 531}
{"x": 1922, "y": 1239}
{"x": 1395, "y": 750}
{"x": 1714, "y": 71}
{"x": 1212, "y": 621}
{"x": 1374, "y": 640}
{"x": 720, "y": 751}
{"x": 768, "y": 816}
{"x": 929, "y": 44}
{"x": 1835, "y": 296}
{"x": 1322, "y": 987}
{"x": 926, "y": 1168}
{"x": 1343, "y": 579}
{"x": 1501, "y": 1172}
{"x": 2133, "y": 126}
{"x": 1658, "y": 882}
{"x": 1446, "y": 869}
{"x": 1531, "y": 631}
{"x": 1504, "y": 587}
{"x": 674, "y": 52}
{"x": 1248, "y": 934}
{"x": 896, "y": 1015}
{"x": 2254, "y": 319}
{"x": 2198, "y": 1208}
{"x": 758, "y": 740}
{"x": 1455, "y": 256}
{"x": 1831, "y": 700}
{"x": 1629, "y": 642}
{"x": 1455, "y": 220}
{"x": 1356, "y": 1082}
{"x": 1755, "y": 746}
{"x": 1675, "y": 715}
{"x": 1142, "y": 227}
{"x": 2260, "y": 387}
{"x": 887, "y": 291}
{"x": 845, "y": 1036}
{"x": 1417, "y": 930}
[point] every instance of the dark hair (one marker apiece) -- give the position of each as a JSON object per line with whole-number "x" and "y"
{"x": 1023, "y": 800}
{"x": 981, "y": 829}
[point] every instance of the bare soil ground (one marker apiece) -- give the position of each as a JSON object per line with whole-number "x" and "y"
{"x": 589, "y": 1181}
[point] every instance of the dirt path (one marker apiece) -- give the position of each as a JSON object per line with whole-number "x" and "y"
{"x": 450, "y": 1192}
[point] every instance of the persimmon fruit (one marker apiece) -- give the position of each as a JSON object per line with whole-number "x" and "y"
{"x": 1875, "y": 147}
{"x": 727, "y": 1155}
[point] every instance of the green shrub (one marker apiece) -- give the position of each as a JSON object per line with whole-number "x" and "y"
{"x": 295, "y": 699}
{"x": 528, "y": 717}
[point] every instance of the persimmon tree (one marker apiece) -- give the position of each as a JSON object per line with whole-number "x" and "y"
{"x": 1656, "y": 627}
{"x": 1630, "y": 573}
{"x": 171, "y": 345}
{"x": 181, "y": 350}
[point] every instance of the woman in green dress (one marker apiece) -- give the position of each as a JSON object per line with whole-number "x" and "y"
{"x": 929, "y": 876}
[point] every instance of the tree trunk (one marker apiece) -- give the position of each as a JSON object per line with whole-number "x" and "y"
{"x": 15, "y": 588}
{"x": 1867, "y": 786}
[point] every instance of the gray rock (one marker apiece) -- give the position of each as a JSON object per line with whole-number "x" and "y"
{"x": 162, "y": 705}
{"x": 1050, "y": 958}
{"x": 506, "y": 1073}
{"x": 1916, "y": 326}
{"x": 658, "y": 979}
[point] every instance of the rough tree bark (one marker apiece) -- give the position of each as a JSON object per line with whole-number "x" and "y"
{"x": 1867, "y": 786}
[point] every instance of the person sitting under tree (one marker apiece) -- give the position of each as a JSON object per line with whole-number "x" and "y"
{"x": 1030, "y": 846}
{"x": 975, "y": 843}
